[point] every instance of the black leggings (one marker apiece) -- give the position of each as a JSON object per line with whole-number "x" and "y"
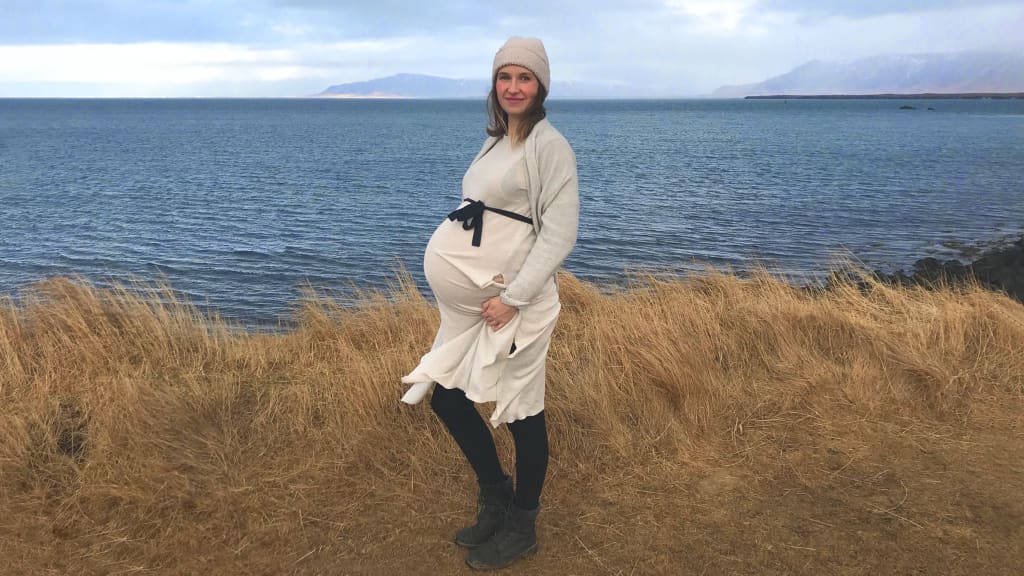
{"x": 471, "y": 433}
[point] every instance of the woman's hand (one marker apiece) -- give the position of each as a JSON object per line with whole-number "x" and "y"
{"x": 496, "y": 313}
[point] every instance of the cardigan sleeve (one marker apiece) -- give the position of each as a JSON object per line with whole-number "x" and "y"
{"x": 559, "y": 221}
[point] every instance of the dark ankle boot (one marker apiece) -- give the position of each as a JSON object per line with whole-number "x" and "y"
{"x": 516, "y": 538}
{"x": 492, "y": 503}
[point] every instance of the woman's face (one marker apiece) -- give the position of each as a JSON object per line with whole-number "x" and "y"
{"x": 516, "y": 88}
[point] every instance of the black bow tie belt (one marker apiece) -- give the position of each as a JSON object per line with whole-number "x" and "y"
{"x": 472, "y": 217}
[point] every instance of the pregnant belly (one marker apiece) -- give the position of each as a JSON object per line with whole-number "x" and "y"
{"x": 464, "y": 276}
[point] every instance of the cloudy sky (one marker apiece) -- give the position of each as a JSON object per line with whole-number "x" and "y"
{"x": 299, "y": 47}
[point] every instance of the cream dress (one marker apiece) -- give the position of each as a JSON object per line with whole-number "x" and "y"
{"x": 468, "y": 354}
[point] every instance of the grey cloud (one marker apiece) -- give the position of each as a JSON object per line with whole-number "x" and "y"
{"x": 416, "y": 16}
{"x": 461, "y": 10}
{"x": 117, "y": 21}
{"x": 259, "y": 21}
{"x": 868, "y": 8}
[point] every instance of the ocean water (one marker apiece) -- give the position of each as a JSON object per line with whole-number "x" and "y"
{"x": 238, "y": 204}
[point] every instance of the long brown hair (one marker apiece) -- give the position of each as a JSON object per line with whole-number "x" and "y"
{"x": 497, "y": 124}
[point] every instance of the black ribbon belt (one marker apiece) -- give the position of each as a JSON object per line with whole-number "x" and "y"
{"x": 472, "y": 217}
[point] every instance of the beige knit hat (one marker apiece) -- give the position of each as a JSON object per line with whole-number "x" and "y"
{"x": 525, "y": 52}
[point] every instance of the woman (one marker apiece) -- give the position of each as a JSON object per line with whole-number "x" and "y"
{"x": 492, "y": 267}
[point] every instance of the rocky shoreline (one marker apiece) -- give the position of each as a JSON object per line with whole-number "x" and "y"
{"x": 895, "y": 96}
{"x": 1000, "y": 268}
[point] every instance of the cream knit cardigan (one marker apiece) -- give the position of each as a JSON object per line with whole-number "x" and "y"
{"x": 554, "y": 204}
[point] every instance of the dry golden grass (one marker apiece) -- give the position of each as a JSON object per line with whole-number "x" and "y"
{"x": 709, "y": 425}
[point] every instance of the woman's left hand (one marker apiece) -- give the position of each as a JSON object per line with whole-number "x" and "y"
{"x": 496, "y": 313}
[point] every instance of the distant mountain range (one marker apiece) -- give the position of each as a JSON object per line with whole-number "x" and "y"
{"x": 895, "y": 74}
{"x": 965, "y": 72}
{"x": 410, "y": 86}
{"x": 424, "y": 86}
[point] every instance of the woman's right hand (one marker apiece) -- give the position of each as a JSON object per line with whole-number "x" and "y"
{"x": 497, "y": 314}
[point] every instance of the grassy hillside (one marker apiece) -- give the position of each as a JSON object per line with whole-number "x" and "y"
{"x": 703, "y": 426}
